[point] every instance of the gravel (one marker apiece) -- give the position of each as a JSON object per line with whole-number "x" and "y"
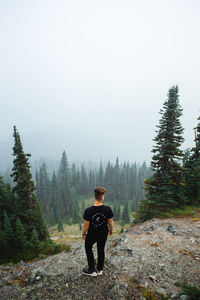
{"x": 151, "y": 257}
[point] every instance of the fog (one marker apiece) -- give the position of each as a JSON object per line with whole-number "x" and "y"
{"x": 91, "y": 76}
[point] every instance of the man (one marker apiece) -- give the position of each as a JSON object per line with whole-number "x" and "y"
{"x": 98, "y": 223}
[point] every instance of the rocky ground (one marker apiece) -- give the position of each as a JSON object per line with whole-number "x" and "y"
{"x": 150, "y": 257}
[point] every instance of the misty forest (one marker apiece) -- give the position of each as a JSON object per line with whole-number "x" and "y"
{"x": 31, "y": 203}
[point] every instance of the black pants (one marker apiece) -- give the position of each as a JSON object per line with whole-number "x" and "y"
{"x": 101, "y": 242}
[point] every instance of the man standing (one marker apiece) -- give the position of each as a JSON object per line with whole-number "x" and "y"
{"x": 98, "y": 223}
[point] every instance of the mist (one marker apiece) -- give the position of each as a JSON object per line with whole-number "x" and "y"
{"x": 91, "y": 76}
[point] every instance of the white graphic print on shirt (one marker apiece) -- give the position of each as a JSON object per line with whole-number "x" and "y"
{"x": 98, "y": 219}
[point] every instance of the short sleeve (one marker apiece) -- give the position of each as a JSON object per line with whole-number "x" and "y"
{"x": 86, "y": 215}
{"x": 110, "y": 213}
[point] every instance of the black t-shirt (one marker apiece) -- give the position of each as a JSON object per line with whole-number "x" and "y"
{"x": 98, "y": 217}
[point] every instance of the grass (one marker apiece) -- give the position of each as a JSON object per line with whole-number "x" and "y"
{"x": 184, "y": 212}
{"x": 192, "y": 291}
{"x": 72, "y": 233}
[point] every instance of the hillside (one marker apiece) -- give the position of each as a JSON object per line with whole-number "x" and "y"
{"x": 152, "y": 255}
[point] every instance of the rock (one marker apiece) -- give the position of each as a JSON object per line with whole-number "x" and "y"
{"x": 38, "y": 278}
{"x": 184, "y": 297}
{"x": 38, "y": 271}
{"x": 171, "y": 228}
{"x": 152, "y": 227}
{"x": 174, "y": 296}
{"x": 161, "y": 291}
{"x": 153, "y": 278}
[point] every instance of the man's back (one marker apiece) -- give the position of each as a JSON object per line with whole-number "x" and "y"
{"x": 98, "y": 217}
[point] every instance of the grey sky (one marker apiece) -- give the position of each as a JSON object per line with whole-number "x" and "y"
{"x": 91, "y": 76}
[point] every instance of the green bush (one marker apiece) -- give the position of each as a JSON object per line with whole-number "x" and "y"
{"x": 192, "y": 291}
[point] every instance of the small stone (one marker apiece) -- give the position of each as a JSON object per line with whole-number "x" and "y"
{"x": 153, "y": 278}
{"x": 162, "y": 291}
{"x": 184, "y": 297}
{"x": 174, "y": 296}
{"x": 152, "y": 227}
{"x": 171, "y": 228}
{"x": 38, "y": 278}
{"x": 146, "y": 284}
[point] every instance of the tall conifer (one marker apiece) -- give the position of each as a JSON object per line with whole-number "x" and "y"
{"x": 164, "y": 188}
{"x": 27, "y": 207}
{"x": 192, "y": 165}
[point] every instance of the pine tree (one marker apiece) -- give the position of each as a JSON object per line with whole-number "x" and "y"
{"x": 192, "y": 166}
{"x": 76, "y": 215}
{"x": 56, "y": 202}
{"x": 27, "y": 206}
{"x": 125, "y": 213}
{"x": 34, "y": 242}
{"x": 164, "y": 188}
{"x": 60, "y": 225}
{"x": 118, "y": 215}
{"x": 7, "y": 201}
{"x": 101, "y": 175}
{"x": 44, "y": 191}
{"x": 115, "y": 210}
{"x": 1, "y": 237}
{"x": 65, "y": 185}
{"x": 108, "y": 181}
{"x": 8, "y": 233}
{"x": 116, "y": 185}
{"x": 20, "y": 234}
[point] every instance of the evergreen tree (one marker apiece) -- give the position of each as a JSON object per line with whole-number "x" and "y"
{"x": 125, "y": 213}
{"x": 91, "y": 181}
{"x": 8, "y": 233}
{"x": 76, "y": 215}
{"x": 101, "y": 176}
{"x": 116, "y": 186}
{"x": 27, "y": 207}
{"x": 34, "y": 242}
{"x": 118, "y": 215}
{"x": 44, "y": 191}
{"x": 7, "y": 201}
{"x": 56, "y": 202}
{"x": 163, "y": 189}
{"x": 1, "y": 237}
{"x": 115, "y": 210}
{"x": 65, "y": 185}
{"x": 84, "y": 188}
{"x": 192, "y": 166}
{"x": 60, "y": 225}
{"x": 108, "y": 181}
{"x": 20, "y": 234}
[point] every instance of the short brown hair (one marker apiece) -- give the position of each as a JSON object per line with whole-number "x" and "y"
{"x": 99, "y": 192}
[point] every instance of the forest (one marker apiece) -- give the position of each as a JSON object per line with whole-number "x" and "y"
{"x": 29, "y": 206}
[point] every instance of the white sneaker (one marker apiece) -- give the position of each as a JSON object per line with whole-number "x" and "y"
{"x": 99, "y": 273}
{"x": 86, "y": 271}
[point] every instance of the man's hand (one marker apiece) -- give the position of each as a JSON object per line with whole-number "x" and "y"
{"x": 86, "y": 225}
{"x": 110, "y": 225}
{"x": 83, "y": 236}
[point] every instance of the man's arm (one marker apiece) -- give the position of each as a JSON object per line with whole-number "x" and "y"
{"x": 110, "y": 225}
{"x": 86, "y": 225}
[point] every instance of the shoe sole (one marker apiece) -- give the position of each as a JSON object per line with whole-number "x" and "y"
{"x": 99, "y": 274}
{"x": 92, "y": 275}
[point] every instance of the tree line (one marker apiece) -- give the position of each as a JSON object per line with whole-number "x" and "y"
{"x": 62, "y": 195}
